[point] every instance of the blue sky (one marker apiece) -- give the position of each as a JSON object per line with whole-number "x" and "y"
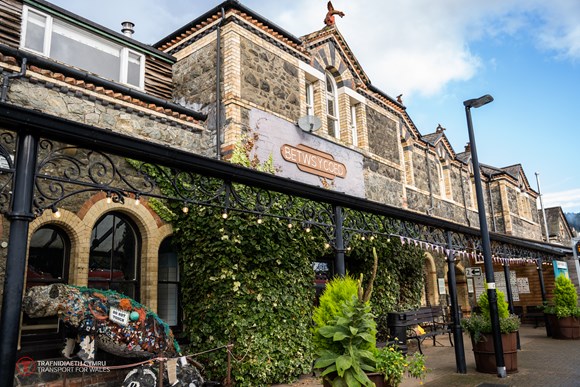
{"x": 525, "y": 53}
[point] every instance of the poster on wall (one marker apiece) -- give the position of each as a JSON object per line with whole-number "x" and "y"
{"x": 499, "y": 285}
{"x": 523, "y": 285}
{"x": 441, "y": 283}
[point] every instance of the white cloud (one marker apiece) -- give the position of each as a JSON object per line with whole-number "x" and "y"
{"x": 569, "y": 200}
{"x": 410, "y": 47}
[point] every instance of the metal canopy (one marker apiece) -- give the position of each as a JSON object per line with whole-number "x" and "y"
{"x": 360, "y": 215}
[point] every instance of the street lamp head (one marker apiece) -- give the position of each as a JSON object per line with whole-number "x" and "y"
{"x": 478, "y": 102}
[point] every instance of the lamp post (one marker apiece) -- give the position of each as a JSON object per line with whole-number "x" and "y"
{"x": 489, "y": 275}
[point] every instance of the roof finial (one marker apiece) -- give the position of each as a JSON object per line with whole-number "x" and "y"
{"x": 440, "y": 129}
{"x": 400, "y": 98}
{"x": 329, "y": 19}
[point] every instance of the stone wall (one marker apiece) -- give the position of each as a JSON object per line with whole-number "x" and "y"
{"x": 269, "y": 81}
{"x": 194, "y": 79}
{"x": 381, "y": 189}
{"x": 124, "y": 119}
{"x": 383, "y": 138}
{"x": 420, "y": 170}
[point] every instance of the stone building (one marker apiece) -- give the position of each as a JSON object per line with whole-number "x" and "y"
{"x": 559, "y": 230}
{"x": 220, "y": 80}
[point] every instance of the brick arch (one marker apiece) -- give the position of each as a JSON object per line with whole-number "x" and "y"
{"x": 165, "y": 231}
{"x": 327, "y": 57}
{"x": 431, "y": 290}
{"x": 78, "y": 234}
{"x": 462, "y": 290}
{"x": 151, "y": 236}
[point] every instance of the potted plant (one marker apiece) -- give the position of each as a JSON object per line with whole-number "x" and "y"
{"x": 564, "y": 314}
{"x": 345, "y": 339}
{"x": 479, "y": 327}
{"x": 345, "y": 334}
{"x": 393, "y": 365}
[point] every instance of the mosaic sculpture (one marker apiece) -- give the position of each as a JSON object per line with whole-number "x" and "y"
{"x": 103, "y": 319}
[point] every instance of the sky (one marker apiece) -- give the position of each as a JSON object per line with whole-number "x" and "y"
{"x": 525, "y": 53}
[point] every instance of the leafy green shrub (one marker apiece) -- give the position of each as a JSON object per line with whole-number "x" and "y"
{"x": 393, "y": 364}
{"x": 565, "y": 299}
{"x": 477, "y": 324}
{"x": 502, "y": 305}
{"x": 351, "y": 335}
{"x": 337, "y": 292}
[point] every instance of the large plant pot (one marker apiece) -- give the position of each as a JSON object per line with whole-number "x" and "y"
{"x": 567, "y": 328}
{"x": 376, "y": 378}
{"x": 484, "y": 353}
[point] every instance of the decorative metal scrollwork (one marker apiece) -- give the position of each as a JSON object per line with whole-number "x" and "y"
{"x": 64, "y": 171}
{"x": 7, "y": 153}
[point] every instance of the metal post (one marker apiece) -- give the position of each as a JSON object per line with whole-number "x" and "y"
{"x": 20, "y": 218}
{"x": 486, "y": 246}
{"x": 542, "y": 207}
{"x": 544, "y": 298}
{"x": 339, "y": 265}
{"x": 510, "y": 297}
{"x": 575, "y": 251}
{"x": 457, "y": 332}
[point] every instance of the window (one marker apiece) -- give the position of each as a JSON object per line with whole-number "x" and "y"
{"x": 48, "y": 257}
{"x": 331, "y": 106}
{"x": 353, "y": 126}
{"x": 113, "y": 259}
{"x": 309, "y": 99}
{"x": 66, "y": 43}
{"x": 48, "y": 263}
{"x": 168, "y": 290}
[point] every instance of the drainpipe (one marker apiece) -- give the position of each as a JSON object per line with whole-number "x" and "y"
{"x": 430, "y": 209}
{"x": 218, "y": 97}
{"x": 8, "y": 77}
{"x": 464, "y": 200}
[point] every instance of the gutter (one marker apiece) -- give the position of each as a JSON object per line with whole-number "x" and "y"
{"x": 48, "y": 64}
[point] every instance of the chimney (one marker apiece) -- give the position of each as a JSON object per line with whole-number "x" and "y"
{"x": 128, "y": 28}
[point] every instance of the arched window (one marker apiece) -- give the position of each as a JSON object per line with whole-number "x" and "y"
{"x": 168, "y": 290}
{"x": 48, "y": 263}
{"x": 48, "y": 257}
{"x": 114, "y": 255}
{"x": 331, "y": 106}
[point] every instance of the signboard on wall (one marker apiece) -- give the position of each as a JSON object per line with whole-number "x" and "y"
{"x": 560, "y": 267}
{"x": 305, "y": 157}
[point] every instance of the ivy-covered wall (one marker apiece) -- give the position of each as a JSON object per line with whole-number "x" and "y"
{"x": 249, "y": 281}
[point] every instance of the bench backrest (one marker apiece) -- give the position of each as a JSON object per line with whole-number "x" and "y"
{"x": 414, "y": 317}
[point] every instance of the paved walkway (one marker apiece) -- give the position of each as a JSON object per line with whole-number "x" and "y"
{"x": 542, "y": 361}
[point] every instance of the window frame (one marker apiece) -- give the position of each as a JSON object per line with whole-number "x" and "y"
{"x": 353, "y": 124}
{"x": 309, "y": 98}
{"x": 136, "y": 282}
{"x": 123, "y": 51}
{"x": 176, "y": 282}
{"x": 332, "y": 96}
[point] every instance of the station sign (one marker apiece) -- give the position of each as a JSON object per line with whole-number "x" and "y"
{"x": 473, "y": 271}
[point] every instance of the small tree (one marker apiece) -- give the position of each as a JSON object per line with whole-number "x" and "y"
{"x": 565, "y": 298}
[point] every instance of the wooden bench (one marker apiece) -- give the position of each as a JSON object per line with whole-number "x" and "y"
{"x": 431, "y": 319}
